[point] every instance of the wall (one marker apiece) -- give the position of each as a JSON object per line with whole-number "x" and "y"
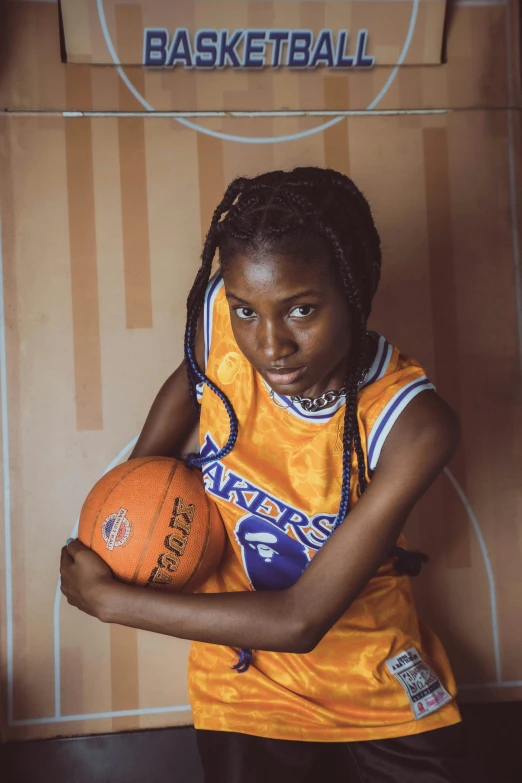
{"x": 102, "y": 220}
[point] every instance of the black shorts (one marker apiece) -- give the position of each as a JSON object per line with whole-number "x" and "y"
{"x": 432, "y": 757}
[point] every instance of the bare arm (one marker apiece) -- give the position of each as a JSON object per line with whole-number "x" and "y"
{"x": 172, "y": 419}
{"x": 294, "y": 620}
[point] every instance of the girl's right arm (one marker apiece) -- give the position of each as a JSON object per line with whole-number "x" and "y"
{"x": 172, "y": 419}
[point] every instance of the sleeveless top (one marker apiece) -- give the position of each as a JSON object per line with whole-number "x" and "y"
{"x": 379, "y": 672}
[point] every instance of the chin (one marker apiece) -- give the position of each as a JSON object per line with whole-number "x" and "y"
{"x": 293, "y": 389}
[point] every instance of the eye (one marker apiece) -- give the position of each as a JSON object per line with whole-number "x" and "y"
{"x": 302, "y": 311}
{"x": 245, "y": 313}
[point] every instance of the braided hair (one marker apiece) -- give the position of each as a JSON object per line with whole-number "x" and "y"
{"x": 308, "y": 212}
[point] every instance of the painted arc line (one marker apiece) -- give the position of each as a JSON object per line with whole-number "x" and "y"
{"x": 57, "y": 597}
{"x": 259, "y": 139}
{"x": 489, "y": 570}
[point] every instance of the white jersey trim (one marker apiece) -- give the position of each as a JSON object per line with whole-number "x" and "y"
{"x": 381, "y": 362}
{"x": 318, "y": 417}
{"x": 389, "y": 416}
{"x": 214, "y": 286}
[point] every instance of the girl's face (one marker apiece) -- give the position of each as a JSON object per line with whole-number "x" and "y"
{"x": 291, "y": 321}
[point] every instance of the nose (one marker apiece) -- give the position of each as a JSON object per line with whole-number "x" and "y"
{"x": 275, "y": 342}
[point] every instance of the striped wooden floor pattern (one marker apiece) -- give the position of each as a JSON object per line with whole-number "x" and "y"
{"x": 102, "y": 221}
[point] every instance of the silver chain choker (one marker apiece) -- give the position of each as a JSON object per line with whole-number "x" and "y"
{"x": 312, "y": 404}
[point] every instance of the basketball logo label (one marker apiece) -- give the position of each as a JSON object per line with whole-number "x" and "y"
{"x": 175, "y": 543}
{"x": 423, "y": 688}
{"x": 116, "y": 529}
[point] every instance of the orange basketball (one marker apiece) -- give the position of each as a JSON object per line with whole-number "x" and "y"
{"x": 152, "y": 522}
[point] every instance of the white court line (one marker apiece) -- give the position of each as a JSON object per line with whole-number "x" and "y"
{"x": 57, "y": 597}
{"x": 489, "y": 571}
{"x": 174, "y": 115}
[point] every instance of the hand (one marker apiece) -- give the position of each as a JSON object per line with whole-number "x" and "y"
{"x": 86, "y": 578}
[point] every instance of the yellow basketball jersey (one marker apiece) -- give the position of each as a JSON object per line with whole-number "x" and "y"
{"x": 379, "y": 672}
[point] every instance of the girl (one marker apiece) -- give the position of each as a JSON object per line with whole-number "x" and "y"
{"x": 317, "y": 438}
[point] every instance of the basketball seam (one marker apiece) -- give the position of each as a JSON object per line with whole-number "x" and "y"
{"x": 155, "y": 522}
{"x": 144, "y": 461}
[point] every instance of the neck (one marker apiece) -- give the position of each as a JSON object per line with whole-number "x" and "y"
{"x": 336, "y": 379}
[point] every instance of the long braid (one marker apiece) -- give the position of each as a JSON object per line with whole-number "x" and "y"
{"x": 195, "y": 304}
{"x": 351, "y": 434}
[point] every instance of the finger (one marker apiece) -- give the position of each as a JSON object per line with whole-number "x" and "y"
{"x": 75, "y": 547}
{"x": 65, "y": 559}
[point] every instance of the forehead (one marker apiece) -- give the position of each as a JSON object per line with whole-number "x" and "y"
{"x": 258, "y": 272}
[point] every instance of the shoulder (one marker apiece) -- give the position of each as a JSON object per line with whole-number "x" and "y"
{"x": 428, "y": 424}
{"x": 420, "y": 444}
{"x": 392, "y": 384}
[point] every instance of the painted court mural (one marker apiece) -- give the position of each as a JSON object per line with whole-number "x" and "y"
{"x": 102, "y": 219}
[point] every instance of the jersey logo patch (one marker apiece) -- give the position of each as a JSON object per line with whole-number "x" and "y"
{"x": 229, "y": 367}
{"x": 272, "y": 560}
{"x": 423, "y": 688}
{"x": 339, "y": 447}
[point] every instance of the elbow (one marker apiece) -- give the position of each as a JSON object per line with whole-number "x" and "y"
{"x": 303, "y": 637}
{"x": 302, "y": 627}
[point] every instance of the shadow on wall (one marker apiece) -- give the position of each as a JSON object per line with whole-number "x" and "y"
{"x": 4, "y": 38}
{"x": 448, "y": 19}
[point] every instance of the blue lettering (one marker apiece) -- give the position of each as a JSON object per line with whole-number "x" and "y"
{"x": 277, "y": 38}
{"x": 323, "y": 51}
{"x": 155, "y": 43}
{"x": 323, "y": 523}
{"x": 257, "y": 504}
{"x": 206, "y": 52}
{"x": 180, "y": 50}
{"x": 291, "y": 516}
{"x": 233, "y": 490}
{"x": 227, "y": 485}
{"x": 252, "y": 48}
{"x": 219, "y": 49}
{"x": 214, "y": 472}
{"x": 362, "y": 60}
{"x": 209, "y": 447}
{"x": 342, "y": 42}
{"x": 299, "y": 49}
{"x": 227, "y": 50}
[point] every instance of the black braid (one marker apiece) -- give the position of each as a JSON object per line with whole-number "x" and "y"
{"x": 298, "y": 212}
{"x": 195, "y": 302}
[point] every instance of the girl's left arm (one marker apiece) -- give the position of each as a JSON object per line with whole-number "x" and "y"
{"x": 420, "y": 443}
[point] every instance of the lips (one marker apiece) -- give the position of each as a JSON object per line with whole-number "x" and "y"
{"x": 285, "y": 376}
